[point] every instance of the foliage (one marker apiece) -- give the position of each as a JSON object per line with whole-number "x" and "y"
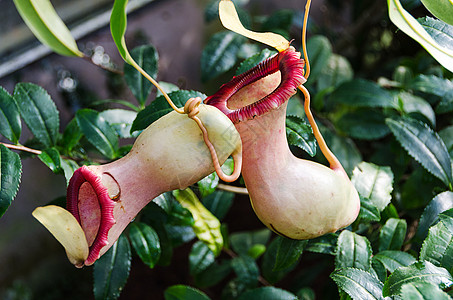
{"x": 401, "y": 245}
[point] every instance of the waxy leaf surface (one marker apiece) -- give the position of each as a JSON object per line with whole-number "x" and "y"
{"x": 358, "y": 284}
{"x": 10, "y": 174}
{"x": 10, "y": 124}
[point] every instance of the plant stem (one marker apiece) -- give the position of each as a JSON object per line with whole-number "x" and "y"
{"x": 233, "y": 189}
{"x": 21, "y": 148}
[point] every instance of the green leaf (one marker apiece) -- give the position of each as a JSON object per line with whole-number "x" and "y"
{"x": 184, "y": 292}
{"x": 423, "y": 291}
{"x": 363, "y": 93}
{"x": 38, "y": 111}
{"x": 374, "y": 183}
{"x": 422, "y": 271}
{"x": 10, "y": 174}
{"x": 442, "y": 33}
{"x": 159, "y": 107}
{"x": 267, "y": 293}
{"x": 325, "y": 244}
{"x": 320, "y": 50}
{"x": 120, "y": 120}
{"x": 10, "y": 124}
{"x": 206, "y": 226}
{"x": 179, "y": 235}
{"x": 300, "y": 134}
{"x": 288, "y": 252}
{"x": 447, "y": 259}
{"x": 118, "y": 24}
{"x": 392, "y": 234}
{"x": 218, "y": 203}
{"x": 177, "y": 215}
{"x": 220, "y": 54}
{"x": 447, "y": 218}
{"x": 51, "y": 158}
{"x": 241, "y": 242}
{"x": 146, "y": 243}
{"x": 112, "y": 270}
{"x": 364, "y": 124}
{"x": 146, "y": 57}
{"x": 71, "y": 135}
{"x": 358, "y": 284}
{"x": 213, "y": 274}
{"x": 442, "y": 9}
{"x": 392, "y": 259}
{"x": 354, "y": 251}
{"x": 167, "y": 87}
{"x": 446, "y": 104}
{"x": 337, "y": 71}
{"x": 98, "y": 132}
{"x": 268, "y": 263}
{"x": 409, "y": 25}
{"x": 435, "y": 245}
{"x": 208, "y": 184}
{"x": 200, "y": 258}
{"x": 368, "y": 211}
{"x": 254, "y": 60}
{"x": 46, "y": 25}
{"x": 431, "y": 84}
{"x": 424, "y": 145}
{"x": 69, "y": 166}
{"x": 246, "y": 270}
{"x": 413, "y": 104}
{"x": 438, "y": 204}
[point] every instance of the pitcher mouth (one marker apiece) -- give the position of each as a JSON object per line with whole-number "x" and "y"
{"x": 290, "y": 65}
{"x": 93, "y": 211}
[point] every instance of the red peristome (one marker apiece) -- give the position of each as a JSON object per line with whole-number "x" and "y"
{"x": 81, "y": 175}
{"x": 287, "y": 62}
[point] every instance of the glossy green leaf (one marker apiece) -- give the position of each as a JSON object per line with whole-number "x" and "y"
{"x": 38, "y": 111}
{"x": 200, "y": 258}
{"x": 146, "y": 243}
{"x": 442, "y": 33}
{"x": 10, "y": 174}
{"x": 206, "y": 226}
{"x": 447, "y": 259}
{"x": 213, "y": 274}
{"x": 218, "y": 203}
{"x": 267, "y": 293}
{"x": 374, "y": 183}
{"x": 411, "y": 104}
{"x": 409, "y": 25}
{"x": 354, "y": 251}
{"x": 438, "y": 204}
{"x": 423, "y": 291}
{"x": 121, "y": 121}
{"x": 111, "y": 271}
{"x": 176, "y": 214}
{"x": 447, "y": 218}
{"x": 368, "y": 211}
{"x": 167, "y": 87}
{"x": 254, "y": 60}
{"x": 179, "y": 235}
{"x": 160, "y": 107}
{"x": 51, "y": 158}
{"x": 364, "y": 124}
{"x": 118, "y": 24}
{"x": 208, "y": 184}
{"x": 424, "y": 145}
{"x": 337, "y": 71}
{"x": 431, "y": 84}
{"x": 69, "y": 166}
{"x": 241, "y": 242}
{"x": 446, "y": 103}
{"x": 436, "y": 243}
{"x": 442, "y": 9}
{"x": 422, "y": 271}
{"x": 246, "y": 270}
{"x": 98, "y": 132}
{"x": 220, "y": 54}
{"x": 147, "y": 58}
{"x": 392, "y": 234}
{"x": 363, "y": 93}
{"x": 71, "y": 135}
{"x": 288, "y": 252}
{"x": 10, "y": 124}
{"x": 358, "y": 284}
{"x": 268, "y": 263}
{"x": 319, "y": 50}
{"x": 42, "y": 19}
{"x": 300, "y": 134}
{"x": 393, "y": 259}
{"x": 280, "y": 20}
{"x": 184, "y": 292}
{"x": 325, "y": 244}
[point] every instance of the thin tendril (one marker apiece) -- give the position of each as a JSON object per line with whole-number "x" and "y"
{"x": 328, "y": 154}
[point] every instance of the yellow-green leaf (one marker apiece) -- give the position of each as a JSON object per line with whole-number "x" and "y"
{"x": 206, "y": 225}
{"x": 42, "y": 19}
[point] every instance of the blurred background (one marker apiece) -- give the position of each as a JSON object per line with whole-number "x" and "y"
{"x": 32, "y": 263}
